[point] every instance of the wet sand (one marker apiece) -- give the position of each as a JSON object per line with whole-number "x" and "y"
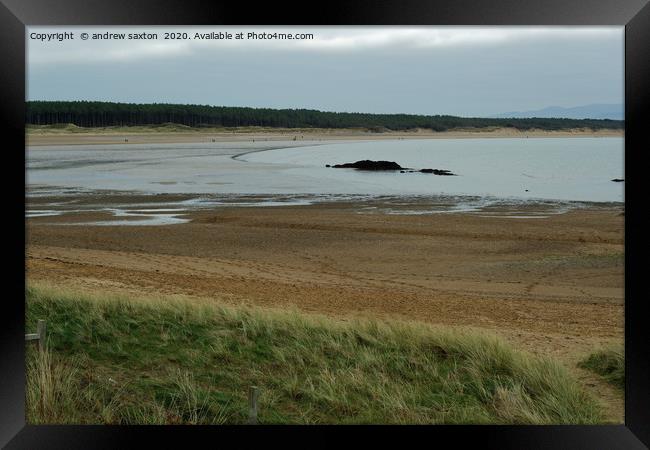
{"x": 552, "y": 285}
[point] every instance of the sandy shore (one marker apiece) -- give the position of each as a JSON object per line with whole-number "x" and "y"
{"x": 551, "y": 285}
{"x": 139, "y": 136}
{"x": 550, "y": 282}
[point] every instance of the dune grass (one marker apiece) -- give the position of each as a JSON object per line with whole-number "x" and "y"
{"x": 173, "y": 360}
{"x": 70, "y": 128}
{"x": 608, "y": 363}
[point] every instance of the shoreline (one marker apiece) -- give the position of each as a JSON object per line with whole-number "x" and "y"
{"x": 108, "y": 208}
{"x": 236, "y": 151}
{"x": 552, "y": 286}
{"x": 139, "y": 135}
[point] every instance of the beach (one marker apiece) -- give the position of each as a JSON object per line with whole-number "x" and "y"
{"x": 546, "y": 275}
{"x": 149, "y": 135}
{"x": 552, "y": 285}
{"x": 411, "y": 225}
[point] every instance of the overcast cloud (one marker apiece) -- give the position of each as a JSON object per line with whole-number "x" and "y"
{"x": 467, "y": 71}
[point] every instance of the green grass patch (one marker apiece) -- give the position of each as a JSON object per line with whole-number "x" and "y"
{"x": 69, "y": 128}
{"x": 608, "y": 363}
{"x": 172, "y": 360}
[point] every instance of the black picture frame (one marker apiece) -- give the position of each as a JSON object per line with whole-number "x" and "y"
{"x": 633, "y": 14}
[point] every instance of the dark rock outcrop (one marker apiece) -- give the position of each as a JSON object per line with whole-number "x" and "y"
{"x": 437, "y": 171}
{"x": 367, "y": 164}
{"x": 618, "y": 180}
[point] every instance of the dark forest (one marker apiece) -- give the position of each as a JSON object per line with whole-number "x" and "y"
{"x": 107, "y": 114}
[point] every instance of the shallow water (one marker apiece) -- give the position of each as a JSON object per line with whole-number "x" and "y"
{"x": 577, "y": 169}
{"x": 159, "y": 168}
{"x": 544, "y": 168}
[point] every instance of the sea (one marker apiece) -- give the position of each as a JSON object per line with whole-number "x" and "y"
{"x": 576, "y": 169}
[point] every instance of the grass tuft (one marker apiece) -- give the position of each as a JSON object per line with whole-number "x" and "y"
{"x": 608, "y": 363}
{"x": 172, "y": 360}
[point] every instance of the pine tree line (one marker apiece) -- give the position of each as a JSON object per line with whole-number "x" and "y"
{"x": 105, "y": 114}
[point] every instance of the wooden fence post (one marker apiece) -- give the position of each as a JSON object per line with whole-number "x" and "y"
{"x": 40, "y": 335}
{"x": 41, "y": 330}
{"x": 253, "y": 393}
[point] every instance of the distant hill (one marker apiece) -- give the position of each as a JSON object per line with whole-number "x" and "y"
{"x": 105, "y": 114}
{"x": 594, "y": 111}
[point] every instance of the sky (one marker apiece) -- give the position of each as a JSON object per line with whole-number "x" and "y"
{"x": 463, "y": 71}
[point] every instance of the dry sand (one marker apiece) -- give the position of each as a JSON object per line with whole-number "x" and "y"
{"x": 138, "y": 135}
{"x": 552, "y": 286}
